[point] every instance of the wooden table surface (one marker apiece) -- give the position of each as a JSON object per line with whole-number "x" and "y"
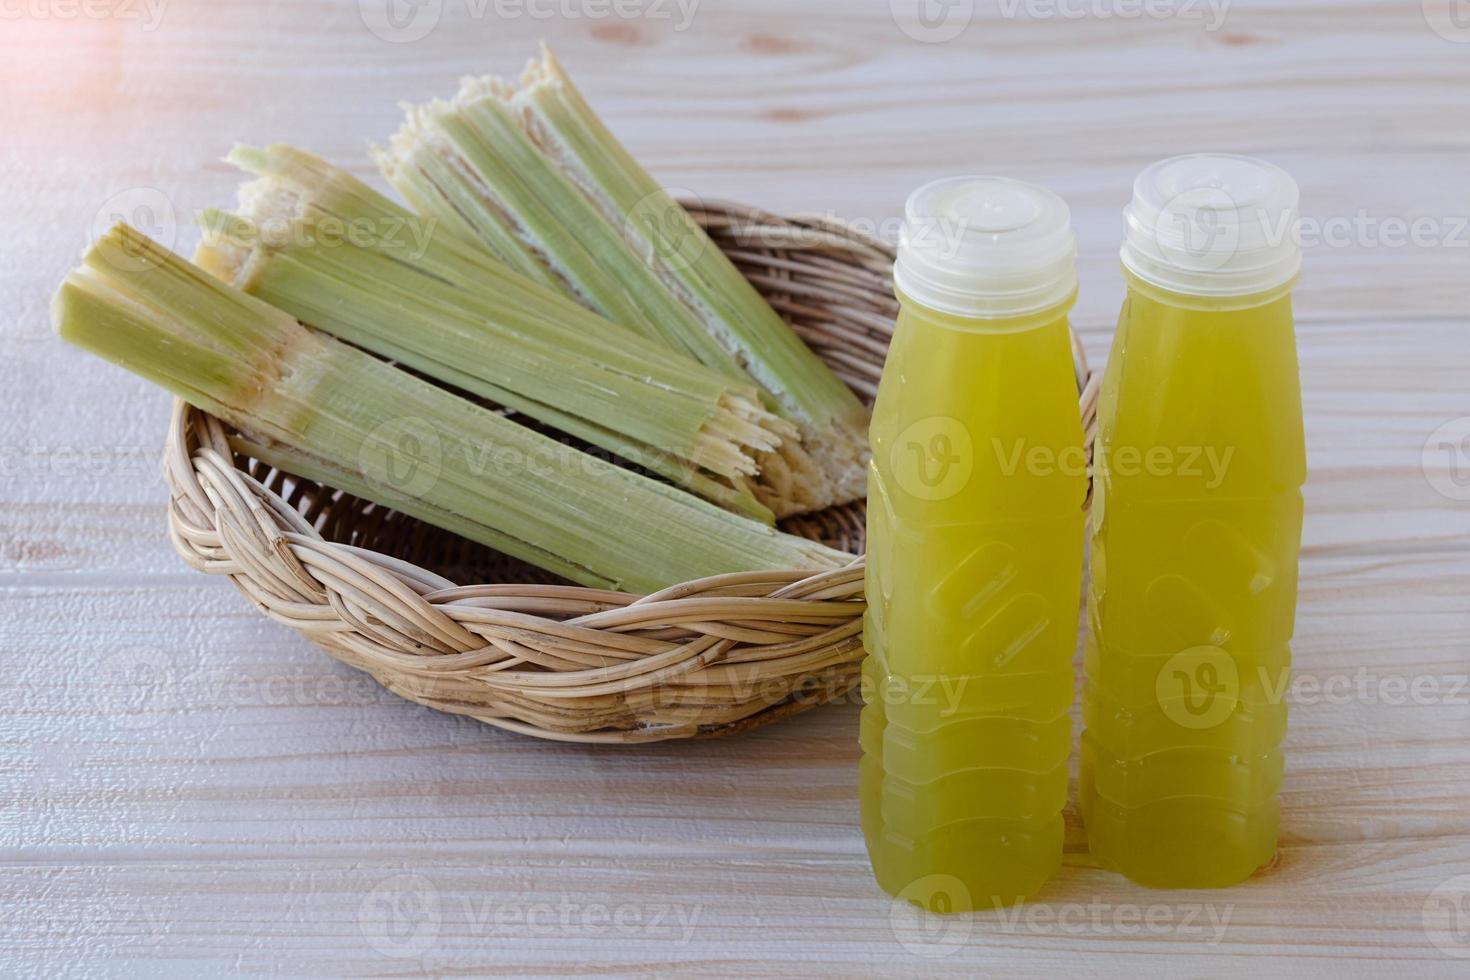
{"x": 188, "y": 789}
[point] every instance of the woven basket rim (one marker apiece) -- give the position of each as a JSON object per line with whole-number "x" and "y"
{"x": 701, "y": 659}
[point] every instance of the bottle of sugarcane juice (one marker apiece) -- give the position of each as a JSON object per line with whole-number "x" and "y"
{"x": 1196, "y": 521}
{"x": 975, "y": 539}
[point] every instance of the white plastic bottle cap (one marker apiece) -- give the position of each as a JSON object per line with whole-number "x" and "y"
{"x": 986, "y": 247}
{"x": 1213, "y": 224}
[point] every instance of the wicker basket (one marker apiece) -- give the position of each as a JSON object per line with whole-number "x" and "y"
{"x": 379, "y": 590}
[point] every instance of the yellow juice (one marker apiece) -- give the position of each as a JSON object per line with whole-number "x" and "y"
{"x": 1195, "y": 526}
{"x": 975, "y": 539}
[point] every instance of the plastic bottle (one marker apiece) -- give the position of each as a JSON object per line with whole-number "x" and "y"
{"x": 975, "y": 540}
{"x": 1196, "y": 522}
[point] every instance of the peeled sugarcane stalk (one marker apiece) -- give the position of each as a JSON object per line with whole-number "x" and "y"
{"x": 318, "y": 243}
{"x": 468, "y": 163}
{"x": 503, "y": 163}
{"x": 337, "y": 414}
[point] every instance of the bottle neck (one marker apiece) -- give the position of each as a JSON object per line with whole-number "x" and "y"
{"x": 1167, "y": 297}
{"x": 1013, "y": 323}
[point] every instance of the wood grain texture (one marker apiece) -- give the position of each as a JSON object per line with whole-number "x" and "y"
{"x": 186, "y": 789}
